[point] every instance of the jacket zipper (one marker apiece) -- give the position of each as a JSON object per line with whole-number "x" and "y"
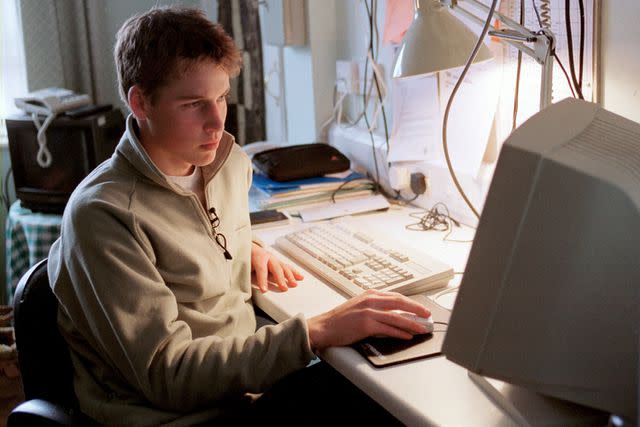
{"x": 220, "y": 238}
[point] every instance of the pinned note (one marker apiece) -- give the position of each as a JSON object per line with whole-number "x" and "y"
{"x": 397, "y": 20}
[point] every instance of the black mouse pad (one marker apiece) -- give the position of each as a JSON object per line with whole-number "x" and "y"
{"x": 382, "y": 352}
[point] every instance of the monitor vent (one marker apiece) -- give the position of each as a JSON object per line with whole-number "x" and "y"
{"x": 611, "y": 143}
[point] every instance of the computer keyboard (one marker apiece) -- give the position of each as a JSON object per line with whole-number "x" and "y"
{"x": 353, "y": 261}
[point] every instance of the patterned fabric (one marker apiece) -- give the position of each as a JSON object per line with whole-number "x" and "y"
{"x": 246, "y": 112}
{"x": 29, "y": 236}
{"x": 68, "y": 44}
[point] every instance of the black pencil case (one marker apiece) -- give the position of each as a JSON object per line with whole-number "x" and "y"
{"x": 300, "y": 161}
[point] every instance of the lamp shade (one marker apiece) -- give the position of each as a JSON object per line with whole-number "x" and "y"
{"x": 435, "y": 41}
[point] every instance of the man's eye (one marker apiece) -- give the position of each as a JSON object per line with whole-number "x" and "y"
{"x": 194, "y": 104}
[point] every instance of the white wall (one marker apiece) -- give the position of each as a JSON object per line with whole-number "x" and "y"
{"x": 300, "y": 96}
{"x": 621, "y": 57}
{"x": 620, "y": 54}
{"x": 114, "y": 15}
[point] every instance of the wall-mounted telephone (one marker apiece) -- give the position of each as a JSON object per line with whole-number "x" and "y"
{"x": 49, "y": 102}
{"x": 52, "y": 100}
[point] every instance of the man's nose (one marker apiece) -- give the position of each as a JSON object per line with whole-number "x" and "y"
{"x": 215, "y": 119}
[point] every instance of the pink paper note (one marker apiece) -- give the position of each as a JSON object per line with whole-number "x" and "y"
{"x": 398, "y": 17}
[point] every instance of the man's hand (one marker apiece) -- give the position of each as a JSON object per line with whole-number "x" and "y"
{"x": 264, "y": 263}
{"x": 368, "y": 314}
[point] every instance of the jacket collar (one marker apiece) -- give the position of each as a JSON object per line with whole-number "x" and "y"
{"x": 132, "y": 150}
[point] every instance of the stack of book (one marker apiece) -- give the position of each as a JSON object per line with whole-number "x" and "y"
{"x": 280, "y": 195}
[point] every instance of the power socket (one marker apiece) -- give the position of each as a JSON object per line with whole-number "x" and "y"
{"x": 418, "y": 183}
{"x": 398, "y": 178}
{"x": 347, "y": 76}
{"x": 350, "y": 77}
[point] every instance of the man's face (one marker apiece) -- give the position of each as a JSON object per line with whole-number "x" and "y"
{"x": 184, "y": 124}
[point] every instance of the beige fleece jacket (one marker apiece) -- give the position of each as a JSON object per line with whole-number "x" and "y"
{"x": 160, "y": 324}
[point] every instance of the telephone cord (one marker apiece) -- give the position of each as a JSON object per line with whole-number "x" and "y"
{"x": 43, "y": 157}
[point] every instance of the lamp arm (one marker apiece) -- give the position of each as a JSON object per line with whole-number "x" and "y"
{"x": 517, "y": 35}
{"x": 512, "y": 24}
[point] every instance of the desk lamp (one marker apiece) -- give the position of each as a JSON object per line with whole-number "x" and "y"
{"x": 437, "y": 41}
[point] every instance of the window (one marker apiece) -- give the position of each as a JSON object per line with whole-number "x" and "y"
{"x": 13, "y": 75}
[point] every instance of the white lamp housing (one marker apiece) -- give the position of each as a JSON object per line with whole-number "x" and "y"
{"x": 435, "y": 41}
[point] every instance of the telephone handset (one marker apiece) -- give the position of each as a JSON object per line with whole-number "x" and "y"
{"x": 52, "y": 100}
{"x": 49, "y": 102}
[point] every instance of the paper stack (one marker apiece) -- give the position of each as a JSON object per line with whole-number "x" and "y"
{"x": 280, "y": 195}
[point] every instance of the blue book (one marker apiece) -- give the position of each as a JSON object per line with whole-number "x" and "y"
{"x": 270, "y": 186}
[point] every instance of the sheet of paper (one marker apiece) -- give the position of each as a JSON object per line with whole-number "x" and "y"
{"x": 419, "y": 104}
{"x": 416, "y": 119}
{"x": 561, "y": 88}
{"x": 530, "y": 75}
{"x": 472, "y": 113}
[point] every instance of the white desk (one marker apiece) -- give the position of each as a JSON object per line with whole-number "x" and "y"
{"x": 431, "y": 391}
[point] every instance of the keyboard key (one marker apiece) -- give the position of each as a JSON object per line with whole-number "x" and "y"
{"x": 350, "y": 260}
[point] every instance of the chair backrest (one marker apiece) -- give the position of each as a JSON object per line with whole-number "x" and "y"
{"x": 43, "y": 354}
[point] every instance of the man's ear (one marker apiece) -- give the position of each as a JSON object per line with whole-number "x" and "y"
{"x": 137, "y": 102}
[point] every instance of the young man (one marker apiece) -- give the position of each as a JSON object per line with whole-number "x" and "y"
{"x": 153, "y": 266}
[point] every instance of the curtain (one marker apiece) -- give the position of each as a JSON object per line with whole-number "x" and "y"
{"x": 246, "y": 112}
{"x": 12, "y": 66}
{"x": 64, "y": 47}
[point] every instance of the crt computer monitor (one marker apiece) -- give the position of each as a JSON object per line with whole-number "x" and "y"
{"x": 549, "y": 299}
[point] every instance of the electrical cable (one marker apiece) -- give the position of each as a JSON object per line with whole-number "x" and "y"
{"x": 375, "y": 156}
{"x": 341, "y": 187}
{"x": 535, "y": 9}
{"x": 434, "y": 219}
{"x": 371, "y": 14}
{"x": 403, "y": 201}
{"x": 366, "y": 96}
{"x": 444, "y": 292}
{"x": 366, "y": 118}
{"x": 545, "y": 14}
{"x": 431, "y": 219}
{"x": 380, "y": 89}
{"x": 370, "y": 54}
{"x": 555, "y": 56}
{"x": 518, "y": 70}
{"x": 367, "y": 89}
{"x": 572, "y": 68}
{"x": 374, "y": 31}
{"x": 366, "y": 65}
{"x": 374, "y": 12}
{"x": 445, "y": 146}
{"x": 582, "y": 40}
{"x": 336, "y": 113}
{"x": 573, "y": 93}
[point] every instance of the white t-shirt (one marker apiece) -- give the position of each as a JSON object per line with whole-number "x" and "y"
{"x": 191, "y": 182}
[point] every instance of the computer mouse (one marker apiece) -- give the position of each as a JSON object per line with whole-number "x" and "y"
{"x": 426, "y": 321}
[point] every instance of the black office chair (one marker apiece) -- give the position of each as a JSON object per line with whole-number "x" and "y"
{"x": 43, "y": 356}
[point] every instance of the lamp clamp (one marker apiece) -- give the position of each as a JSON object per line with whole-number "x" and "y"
{"x": 539, "y": 45}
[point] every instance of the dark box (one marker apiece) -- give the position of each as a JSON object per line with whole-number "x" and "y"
{"x": 77, "y": 146}
{"x": 300, "y": 161}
